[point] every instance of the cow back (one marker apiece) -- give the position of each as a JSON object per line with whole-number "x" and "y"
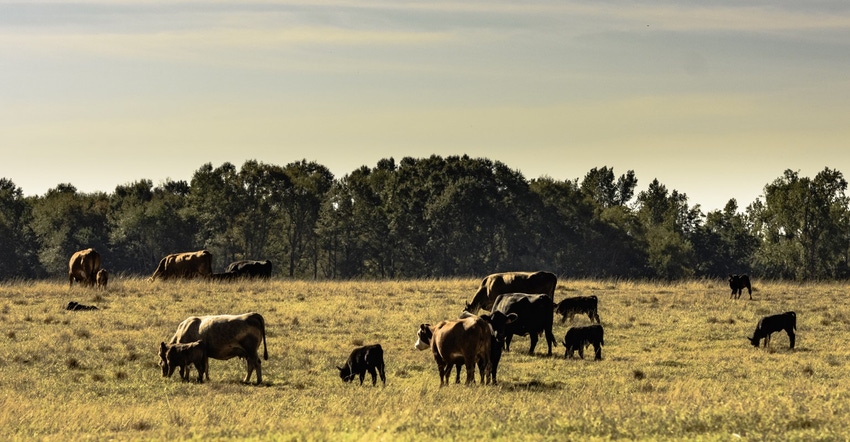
{"x": 226, "y": 336}
{"x": 534, "y": 312}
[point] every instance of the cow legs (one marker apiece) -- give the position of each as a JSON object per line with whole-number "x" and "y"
{"x": 457, "y": 375}
{"x": 253, "y": 363}
{"x": 374, "y": 376}
{"x": 533, "y": 337}
{"x": 791, "y": 336}
{"x": 470, "y": 371}
{"x": 550, "y": 339}
{"x": 383, "y": 374}
{"x": 597, "y": 349}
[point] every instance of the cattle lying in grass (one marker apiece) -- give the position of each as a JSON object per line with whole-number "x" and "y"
{"x": 102, "y": 278}
{"x": 577, "y": 338}
{"x": 172, "y": 356}
{"x": 578, "y": 305}
{"x": 462, "y": 341}
{"x": 251, "y": 269}
{"x": 738, "y": 283}
{"x": 184, "y": 265}
{"x": 83, "y": 267}
{"x": 75, "y": 306}
{"x": 362, "y": 359}
{"x": 225, "y": 276}
{"x": 770, "y": 324}
{"x": 511, "y": 282}
{"x": 534, "y": 316}
{"x": 228, "y": 336}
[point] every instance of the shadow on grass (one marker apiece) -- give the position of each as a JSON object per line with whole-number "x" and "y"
{"x": 533, "y": 385}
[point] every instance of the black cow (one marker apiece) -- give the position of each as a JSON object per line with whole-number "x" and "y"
{"x": 362, "y": 359}
{"x": 577, "y": 338}
{"x": 769, "y": 324}
{"x": 534, "y": 316}
{"x": 251, "y": 269}
{"x": 578, "y": 305}
{"x": 738, "y": 283}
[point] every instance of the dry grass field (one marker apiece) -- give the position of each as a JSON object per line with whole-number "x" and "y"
{"x": 676, "y": 365}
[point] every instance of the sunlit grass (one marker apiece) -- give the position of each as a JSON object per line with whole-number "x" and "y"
{"x": 676, "y": 365}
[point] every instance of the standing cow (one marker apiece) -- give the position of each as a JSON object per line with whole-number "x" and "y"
{"x": 511, "y": 282}
{"x": 738, "y": 283}
{"x": 534, "y": 316}
{"x": 228, "y": 336}
{"x": 577, "y": 338}
{"x": 102, "y": 278}
{"x": 184, "y": 265}
{"x": 83, "y": 267}
{"x": 577, "y": 305}
{"x": 173, "y": 356}
{"x": 770, "y": 324}
{"x": 463, "y": 341}
{"x": 362, "y": 359}
{"x": 251, "y": 269}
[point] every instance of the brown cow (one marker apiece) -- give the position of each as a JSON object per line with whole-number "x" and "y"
{"x": 461, "y": 341}
{"x": 228, "y": 336}
{"x": 182, "y": 355}
{"x": 184, "y": 265}
{"x": 102, "y": 278}
{"x": 83, "y": 267}
{"x": 511, "y": 282}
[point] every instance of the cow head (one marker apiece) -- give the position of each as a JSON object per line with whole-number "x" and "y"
{"x": 498, "y": 322}
{"x": 423, "y": 337}
{"x": 754, "y": 341}
{"x": 345, "y": 373}
{"x": 167, "y": 369}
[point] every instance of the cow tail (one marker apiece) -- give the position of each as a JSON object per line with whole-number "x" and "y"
{"x": 263, "y": 329}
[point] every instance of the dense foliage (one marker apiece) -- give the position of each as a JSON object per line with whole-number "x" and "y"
{"x": 432, "y": 217}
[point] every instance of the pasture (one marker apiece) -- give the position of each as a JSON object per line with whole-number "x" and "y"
{"x": 676, "y": 365}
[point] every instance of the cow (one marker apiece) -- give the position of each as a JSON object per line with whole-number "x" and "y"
{"x": 228, "y": 336}
{"x": 184, "y": 265}
{"x": 76, "y": 306}
{"x": 453, "y": 342}
{"x": 362, "y": 359}
{"x": 770, "y": 324}
{"x": 534, "y": 316}
{"x": 511, "y": 282}
{"x": 182, "y": 355}
{"x": 578, "y": 305}
{"x": 738, "y": 283}
{"x": 577, "y": 338}
{"x": 251, "y": 269}
{"x": 102, "y": 277}
{"x": 498, "y": 321}
{"x": 83, "y": 267}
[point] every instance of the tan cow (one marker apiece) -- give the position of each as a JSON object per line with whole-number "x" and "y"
{"x": 225, "y": 337}
{"x": 102, "y": 278}
{"x": 83, "y": 267}
{"x": 462, "y": 341}
{"x": 532, "y": 283}
{"x": 184, "y": 265}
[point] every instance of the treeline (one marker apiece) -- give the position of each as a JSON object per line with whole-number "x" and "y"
{"x": 431, "y": 217}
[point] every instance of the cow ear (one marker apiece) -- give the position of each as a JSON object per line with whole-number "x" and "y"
{"x": 340, "y": 369}
{"x": 512, "y": 317}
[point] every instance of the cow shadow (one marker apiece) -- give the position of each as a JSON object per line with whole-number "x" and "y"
{"x": 533, "y": 385}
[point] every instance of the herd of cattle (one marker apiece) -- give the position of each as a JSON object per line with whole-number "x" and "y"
{"x": 520, "y": 303}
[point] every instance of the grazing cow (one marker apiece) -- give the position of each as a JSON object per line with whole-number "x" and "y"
{"x": 251, "y": 269}
{"x": 184, "y": 265}
{"x": 172, "y": 356}
{"x": 102, "y": 278}
{"x": 511, "y": 282}
{"x": 76, "y": 306}
{"x": 769, "y": 324}
{"x": 577, "y": 305}
{"x": 83, "y": 267}
{"x": 228, "y": 336}
{"x": 362, "y": 359}
{"x": 465, "y": 341}
{"x": 577, "y": 338}
{"x": 534, "y": 316}
{"x": 738, "y": 283}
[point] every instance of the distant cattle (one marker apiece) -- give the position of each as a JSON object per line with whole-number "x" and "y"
{"x": 228, "y": 336}
{"x": 463, "y": 341}
{"x": 76, "y": 306}
{"x": 577, "y": 338}
{"x": 251, "y": 269}
{"x": 102, "y": 278}
{"x": 770, "y": 324}
{"x": 578, "y": 305}
{"x": 83, "y": 267}
{"x": 184, "y": 265}
{"x": 511, "y": 282}
{"x": 534, "y": 316}
{"x": 362, "y": 359}
{"x": 173, "y": 356}
{"x": 738, "y": 283}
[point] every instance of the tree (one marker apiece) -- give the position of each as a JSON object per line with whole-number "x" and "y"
{"x": 668, "y": 222}
{"x": 725, "y": 244}
{"x": 18, "y": 257}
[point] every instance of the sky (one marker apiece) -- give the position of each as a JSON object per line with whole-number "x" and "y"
{"x": 715, "y": 99}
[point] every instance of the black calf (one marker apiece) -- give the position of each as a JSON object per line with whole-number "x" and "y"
{"x": 362, "y": 359}
{"x": 577, "y": 338}
{"x": 770, "y": 324}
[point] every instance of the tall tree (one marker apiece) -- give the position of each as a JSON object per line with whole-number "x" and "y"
{"x": 18, "y": 253}
{"x": 725, "y": 244}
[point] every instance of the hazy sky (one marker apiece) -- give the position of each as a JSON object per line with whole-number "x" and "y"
{"x": 713, "y": 98}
